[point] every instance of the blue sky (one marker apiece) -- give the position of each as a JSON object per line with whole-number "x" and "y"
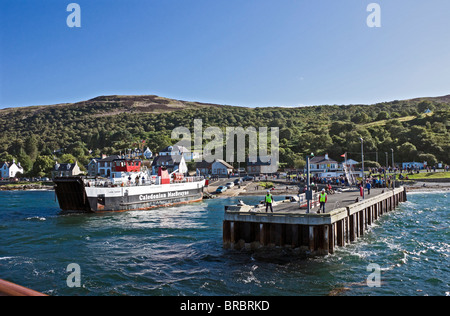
{"x": 238, "y": 52}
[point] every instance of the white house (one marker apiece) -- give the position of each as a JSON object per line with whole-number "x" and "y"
{"x": 323, "y": 164}
{"x": 220, "y": 167}
{"x": 179, "y": 150}
{"x": 9, "y": 170}
{"x": 173, "y": 163}
{"x": 148, "y": 153}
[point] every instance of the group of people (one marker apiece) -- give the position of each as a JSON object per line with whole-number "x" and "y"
{"x": 323, "y": 197}
{"x": 137, "y": 180}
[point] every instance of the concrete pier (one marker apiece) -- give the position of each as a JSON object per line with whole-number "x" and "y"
{"x": 251, "y": 227}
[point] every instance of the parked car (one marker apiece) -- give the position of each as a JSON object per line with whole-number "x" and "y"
{"x": 221, "y": 189}
{"x": 237, "y": 181}
{"x": 229, "y": 185}
{"x": 247, "y": 178}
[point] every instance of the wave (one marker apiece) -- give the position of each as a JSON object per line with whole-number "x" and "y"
{"x": 428, "y": 191}
{"x": 35, "y": 218}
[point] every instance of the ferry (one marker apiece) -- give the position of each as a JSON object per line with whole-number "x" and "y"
{"x": 129, "y": 187}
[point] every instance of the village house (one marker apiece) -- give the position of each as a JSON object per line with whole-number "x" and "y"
{"x": 10, "y": 170}
{"x": 173, "y": 163}
{"x": 66, "y": 170}
{"x": 324, "y": 166}
{"x": 221, "y": 168}
{"x": 216, "y": 168}
{"x": 92, "y": 167}
{"x": 179, "y": 150}
{"x": 148, "y": 153}
{"x": 203, "y": 168}
{"x": 260, "y": 165}
{"x": 101, "y": 166}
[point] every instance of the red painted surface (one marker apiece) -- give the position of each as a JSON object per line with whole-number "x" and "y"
{"x": 126, "y": 165}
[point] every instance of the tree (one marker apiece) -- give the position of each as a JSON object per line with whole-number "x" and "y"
{"x": 25, "y": 161}
{"x": 430, "y": 159}
{"x": 338, "y": 127}
{"x": 6, "y": 157}
{"x": 425, "y": 105}
{"x": 407, "y": 152}
{"x": 299, "y": 163}
{"x": 31, "y": 147}
{"x": 360, "y": 118}
{"x": 383, "y": 115}
{"x": 43, "y": 165}
{"x": 67, "y": 158}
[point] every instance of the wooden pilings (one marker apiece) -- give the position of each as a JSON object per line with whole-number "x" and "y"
{"x": 313, "y": 233}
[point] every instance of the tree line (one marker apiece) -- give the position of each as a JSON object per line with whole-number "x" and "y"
{"x": 38, "y": 136}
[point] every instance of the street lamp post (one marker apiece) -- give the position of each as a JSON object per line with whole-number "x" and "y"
{"x": 362, "y": 161}
{"x": 385, "y": 170}
{"x": 308, "y": 186}
{"x": 393, "y": 168}
{"x": 393, "y": 165}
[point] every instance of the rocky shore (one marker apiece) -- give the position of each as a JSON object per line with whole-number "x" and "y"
{"x": 25, "y": 187}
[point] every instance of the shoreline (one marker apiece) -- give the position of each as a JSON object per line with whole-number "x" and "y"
{"x": 26, "y": 187}
{"x": 413, "y": 187}
{"x": 417, "y": 187}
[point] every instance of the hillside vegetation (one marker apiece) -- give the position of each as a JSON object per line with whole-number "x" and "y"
{"x": 110, "y": 124}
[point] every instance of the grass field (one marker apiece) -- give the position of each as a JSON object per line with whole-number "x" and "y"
{"x": 429, "y": 175}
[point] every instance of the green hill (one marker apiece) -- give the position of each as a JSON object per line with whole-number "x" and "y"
{"x": 109, "y": 124}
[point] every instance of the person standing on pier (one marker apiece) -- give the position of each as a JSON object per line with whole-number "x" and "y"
{"x": 368, "y": 186}
{"x": 323, "y": 200}
{"x": 269, "y": 201}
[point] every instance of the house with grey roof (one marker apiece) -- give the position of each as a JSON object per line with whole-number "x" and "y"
{"x": 66, "y": 170}
{"x": 173, "y": 163}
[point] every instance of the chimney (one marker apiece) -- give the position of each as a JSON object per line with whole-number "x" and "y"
{"x": 326, "y": 156}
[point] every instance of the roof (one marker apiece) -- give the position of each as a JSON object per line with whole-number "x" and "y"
{"x": 321, "y": 159}
{"x": 64, "y": 166}
{"x": 167, "y": 160}
{"x": 9, "y": 164}
{"x": 110, "y": 158}
{"x": 227, "y": 165}
{"x": 203, "y": 164}
{"x": 258, "y": 162}
{"x": 176, "y": 148}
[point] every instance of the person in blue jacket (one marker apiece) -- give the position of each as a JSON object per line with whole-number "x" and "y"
{"x": 368, "y": 186}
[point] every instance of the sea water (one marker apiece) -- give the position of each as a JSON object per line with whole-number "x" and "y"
{"x": 178, "y": 251}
